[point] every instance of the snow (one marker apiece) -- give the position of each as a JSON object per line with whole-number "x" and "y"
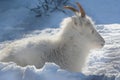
{"x": 10, "y": 71}
{"x": 18, "y": 22}
{"x": 109, "y": 56}
{"x": 102, "y": 65}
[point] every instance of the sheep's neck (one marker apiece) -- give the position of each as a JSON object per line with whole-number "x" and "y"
{"x": 72, "y": 56}
{"x": 74, "y": 50}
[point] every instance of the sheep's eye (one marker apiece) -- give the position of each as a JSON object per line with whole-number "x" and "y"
{"x": 92, "y": 31}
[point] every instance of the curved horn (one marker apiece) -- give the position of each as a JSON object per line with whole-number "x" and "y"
{"x": 81, "y": 10}
{"x": 71, "y": 8}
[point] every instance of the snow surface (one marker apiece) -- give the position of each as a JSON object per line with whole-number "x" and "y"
{"x": 18, "y": 22}
{"x": 102, "y": 64}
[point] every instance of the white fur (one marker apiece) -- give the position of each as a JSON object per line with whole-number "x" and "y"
{"x": 69, "y": 48}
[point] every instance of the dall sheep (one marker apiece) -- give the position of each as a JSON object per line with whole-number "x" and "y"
{"x": 68, "y": 49}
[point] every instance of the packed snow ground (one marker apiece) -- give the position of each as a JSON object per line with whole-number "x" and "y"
{"x": 17, "y": 21}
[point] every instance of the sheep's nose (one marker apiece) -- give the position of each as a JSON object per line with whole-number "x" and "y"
{"x": 102, "y": 44}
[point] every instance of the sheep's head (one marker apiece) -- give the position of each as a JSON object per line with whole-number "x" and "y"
{"x": 85, "y": 26}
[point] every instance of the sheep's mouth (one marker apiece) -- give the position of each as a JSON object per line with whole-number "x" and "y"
{"x": 100, "y": 46}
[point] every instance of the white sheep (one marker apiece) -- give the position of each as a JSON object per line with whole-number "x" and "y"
{"x": 68, "y": 49}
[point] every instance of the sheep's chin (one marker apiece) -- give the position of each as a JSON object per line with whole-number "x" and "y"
{"x": 97, "y": 46}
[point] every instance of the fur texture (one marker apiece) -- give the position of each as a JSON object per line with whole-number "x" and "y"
{"x": 69, "y": 48}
